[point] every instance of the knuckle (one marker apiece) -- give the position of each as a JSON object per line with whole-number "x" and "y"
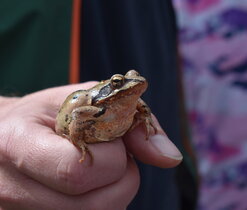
{"x": 70, "y": 178}
{"x": 6, "y": 142}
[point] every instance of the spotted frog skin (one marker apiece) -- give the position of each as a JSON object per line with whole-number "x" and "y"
{"x": 105, "y": 111}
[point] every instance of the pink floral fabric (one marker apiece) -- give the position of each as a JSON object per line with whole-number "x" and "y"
{"x": 213, "y": 46}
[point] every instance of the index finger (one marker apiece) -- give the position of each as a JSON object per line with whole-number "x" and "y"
{"x": 54, "y": 162}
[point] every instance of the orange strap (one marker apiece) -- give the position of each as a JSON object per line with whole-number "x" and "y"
{"x": 74, "y": 71}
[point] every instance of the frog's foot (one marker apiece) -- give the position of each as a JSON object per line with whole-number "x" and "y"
{"x": 85, "y": 150}
{"x": 149, "y": 124}
{"x": 143, "y": 115}
{"x": 147, "y": 120}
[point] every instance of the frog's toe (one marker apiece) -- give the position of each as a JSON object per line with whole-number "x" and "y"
{"x": 83, "y": 155}
{"x": 149, "y": 126}
{"x": 85, "y": 150}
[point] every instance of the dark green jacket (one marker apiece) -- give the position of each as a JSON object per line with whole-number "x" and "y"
{"x": 34, "y": 44}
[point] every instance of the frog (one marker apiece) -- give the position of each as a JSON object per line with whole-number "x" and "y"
{"x": 105, "y": 112}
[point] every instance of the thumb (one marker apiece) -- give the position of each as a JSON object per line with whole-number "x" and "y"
{"x": 158, "y": 150}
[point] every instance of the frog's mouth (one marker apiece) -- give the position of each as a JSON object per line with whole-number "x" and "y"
{"x": 107, "y": 91}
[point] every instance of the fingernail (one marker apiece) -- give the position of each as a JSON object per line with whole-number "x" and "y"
{"x": 165, "y": 147}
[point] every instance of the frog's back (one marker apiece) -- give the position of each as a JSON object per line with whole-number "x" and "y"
{"x": 63, "y": 119}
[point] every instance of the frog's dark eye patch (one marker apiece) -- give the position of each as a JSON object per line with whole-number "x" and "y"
{"x": 104, "y": 92}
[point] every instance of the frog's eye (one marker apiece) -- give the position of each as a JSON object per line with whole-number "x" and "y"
{"x": 117, "y": 81}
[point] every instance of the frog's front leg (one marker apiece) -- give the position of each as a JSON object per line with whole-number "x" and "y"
{"x": 84, "y": 148}
{"x": 82, "y": 118}
{"x": 144, "y": 115}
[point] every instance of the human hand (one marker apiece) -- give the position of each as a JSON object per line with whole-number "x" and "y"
{"x": 40, "y": 170}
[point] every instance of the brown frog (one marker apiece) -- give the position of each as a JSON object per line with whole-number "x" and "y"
{"x": 105, "y": 111}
